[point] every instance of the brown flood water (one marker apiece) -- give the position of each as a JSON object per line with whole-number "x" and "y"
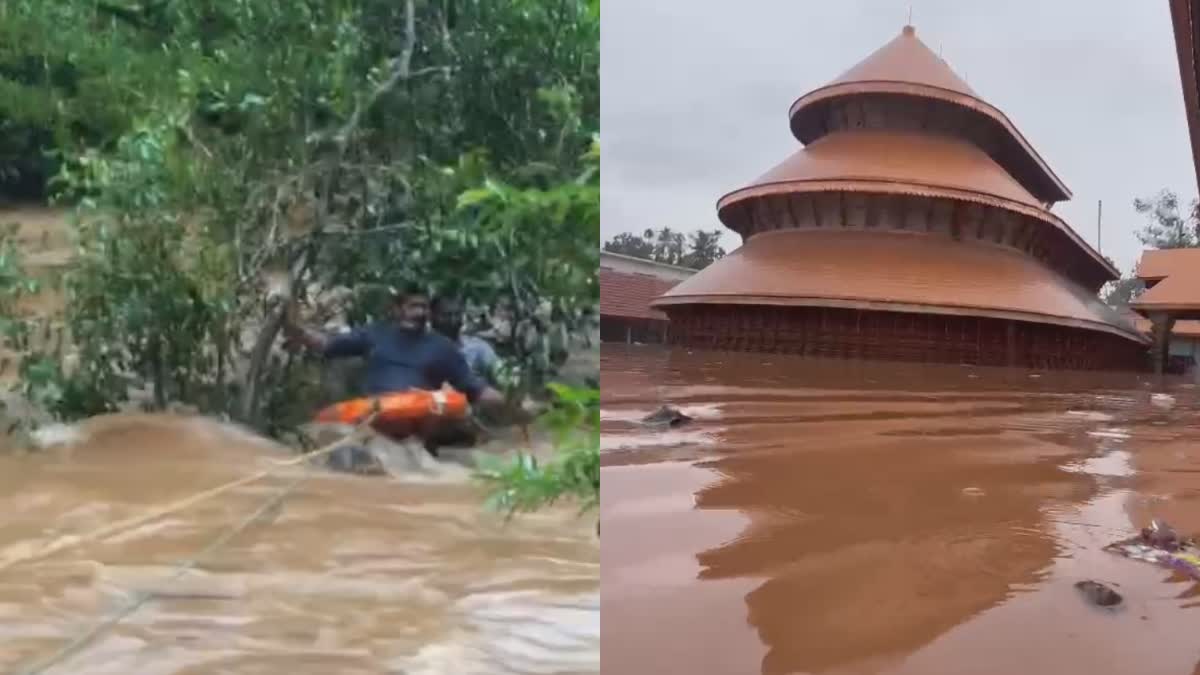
{"x": 354, "y": 575}
{"x": 840, "y": 517}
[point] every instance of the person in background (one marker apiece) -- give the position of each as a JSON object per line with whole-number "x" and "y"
{"x": 479, "y": 354}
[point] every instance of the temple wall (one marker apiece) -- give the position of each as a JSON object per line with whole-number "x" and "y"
{"x": 899, "y": 336}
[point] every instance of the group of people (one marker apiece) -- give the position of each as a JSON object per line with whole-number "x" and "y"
{"x": 421, "y": 346}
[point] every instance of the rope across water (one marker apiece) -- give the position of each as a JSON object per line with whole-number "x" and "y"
{"x": 138, "y": 600}
{"x": 83, "y": 639}
{"x": 167, "y": 509}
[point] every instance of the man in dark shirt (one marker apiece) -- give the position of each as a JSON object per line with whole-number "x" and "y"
{"x": 402, "y": 354}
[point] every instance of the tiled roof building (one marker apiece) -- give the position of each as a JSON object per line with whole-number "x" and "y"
{"x": 627, "y": 287}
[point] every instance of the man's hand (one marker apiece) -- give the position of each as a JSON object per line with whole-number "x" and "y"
{"x": 296, "y": 336}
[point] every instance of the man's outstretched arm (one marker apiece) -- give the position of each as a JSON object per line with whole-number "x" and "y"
{"x": 354, "y": 343}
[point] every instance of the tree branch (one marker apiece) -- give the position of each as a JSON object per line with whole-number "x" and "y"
{"x": 402, "y": 71}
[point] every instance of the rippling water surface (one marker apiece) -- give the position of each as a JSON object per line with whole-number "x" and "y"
{"x": 353, "y": 575}
{"x": 839, "y": 517}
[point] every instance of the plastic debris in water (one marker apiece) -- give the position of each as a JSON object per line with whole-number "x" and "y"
{"x": 1099, "y": 594}
{"x": 1139, "y": 552}
{"x": 1161, "y": 535}
{"x": 1161, "y": 545}
{"x": 973, "y": 491}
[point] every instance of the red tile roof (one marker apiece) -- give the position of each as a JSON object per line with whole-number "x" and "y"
{"x": 1179, "y": 271}
{"x": 629, "y": 295}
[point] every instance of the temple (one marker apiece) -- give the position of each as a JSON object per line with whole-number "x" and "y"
{"x": 914, "y": 224}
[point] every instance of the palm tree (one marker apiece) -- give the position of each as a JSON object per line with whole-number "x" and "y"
{"x": 668, "y": 247}
{"x": 704, "y": 249}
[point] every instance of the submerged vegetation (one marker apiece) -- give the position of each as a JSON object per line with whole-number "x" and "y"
{"x": 522, "y": 483}
{"x": 366, "y": 144}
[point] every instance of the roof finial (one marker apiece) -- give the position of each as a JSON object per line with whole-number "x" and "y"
{"x": 909, "y": 23}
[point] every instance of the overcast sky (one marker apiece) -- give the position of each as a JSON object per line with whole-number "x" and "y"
{"x": 695, "y": 96}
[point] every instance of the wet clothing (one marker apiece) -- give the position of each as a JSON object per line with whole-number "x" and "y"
{"x": 399, "y": 360}
{"x": 479, "y": 355}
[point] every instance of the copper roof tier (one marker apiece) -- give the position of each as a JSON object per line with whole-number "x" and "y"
{"x": 905, "y": 69}
{"x": 891, "y": 271}
{"x": 885, "y": 161}
{"x": 905, "y": 162}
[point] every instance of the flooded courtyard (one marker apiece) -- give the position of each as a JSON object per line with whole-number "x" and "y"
{"x": 852, "y": 517}
{"x": 350, "y": 575}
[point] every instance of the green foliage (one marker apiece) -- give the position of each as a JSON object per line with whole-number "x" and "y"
{"x": 367, "y": 143}
{"x": 1122, "y": 291}
{"x": 1166, "y": 226}
{"x": 15, "y": 285}
{"x": 699, "y": 250}
{"x": 521, "y": 483}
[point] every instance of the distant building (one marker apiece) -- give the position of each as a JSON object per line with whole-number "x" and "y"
{"x": 1170, "y": 303}
{"x": 627, "y": 286}
{"x": 915, "y": 224}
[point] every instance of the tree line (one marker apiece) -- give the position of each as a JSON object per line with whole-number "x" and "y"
{"x": 694, "y": 250}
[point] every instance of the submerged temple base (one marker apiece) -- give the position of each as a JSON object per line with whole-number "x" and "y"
{"x": 900, "y": 336}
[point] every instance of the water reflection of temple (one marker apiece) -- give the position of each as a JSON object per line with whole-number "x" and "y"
{"x": 914, "y": 225}
{"x": 871, "y": 536}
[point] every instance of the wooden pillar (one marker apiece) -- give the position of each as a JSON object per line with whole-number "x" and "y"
{"x": 1161, "y": 324}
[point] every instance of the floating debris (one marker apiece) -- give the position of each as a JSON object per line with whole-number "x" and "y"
{"x": 666, "y": 416}
{"x": 973, "y": 492}
{"x": 1163, "y": 536}
{"x": 1099, "y": 594}
{"x": 1161, "y": 545}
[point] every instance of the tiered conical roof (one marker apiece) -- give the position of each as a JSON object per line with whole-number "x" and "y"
{"x": 907, "y": 67}
{"x": 988, "y": 162}
{"x": 902, "y": 123}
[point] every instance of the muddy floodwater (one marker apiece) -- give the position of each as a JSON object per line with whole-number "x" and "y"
{"x": 842, "y": 517}
{"x": 350, "y": 575}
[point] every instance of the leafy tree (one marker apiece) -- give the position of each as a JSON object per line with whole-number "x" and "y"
{"x": 1167, "y": 226}
{"x": 367, "y": 143}
{"x": 1122, "y": 291}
